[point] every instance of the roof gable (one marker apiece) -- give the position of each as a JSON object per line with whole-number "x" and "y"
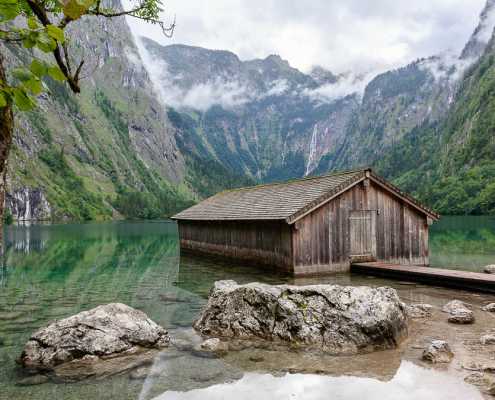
{"x": 288, "y": 201}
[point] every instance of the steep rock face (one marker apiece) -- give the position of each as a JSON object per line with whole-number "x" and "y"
{"x": 339, "y": 320}
{"x": 82, "y": 151}
{"x": 27, "y": 204}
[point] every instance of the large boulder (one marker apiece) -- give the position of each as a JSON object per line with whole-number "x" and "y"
{"x": 101, "y": 333}
{"x": 336, "y": 319}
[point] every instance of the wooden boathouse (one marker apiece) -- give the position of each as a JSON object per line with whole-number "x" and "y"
{"x": 312, "y": 225}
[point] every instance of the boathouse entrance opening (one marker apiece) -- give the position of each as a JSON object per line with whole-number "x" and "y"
{"x": 362, "y": 235}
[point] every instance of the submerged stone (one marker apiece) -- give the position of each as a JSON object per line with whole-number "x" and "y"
{"x": 336, "y": 319}
{"x": 438, "y": 352}
{"x": 87, "y": 338}
{"x": 489, "y": 307}
{"x": 456, "y": 305}
{"x": 418, "y": 311}
{"x": 32, "y": 380}
{"x": 461, "y": 317}
{"x": 489, "y": 269}
{"x": 460, "y": 312}
{"x": 487, "y": 339}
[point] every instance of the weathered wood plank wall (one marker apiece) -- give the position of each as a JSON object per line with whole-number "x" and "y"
{"x": 261, "y": 242}
{"x": 321, "y": 240}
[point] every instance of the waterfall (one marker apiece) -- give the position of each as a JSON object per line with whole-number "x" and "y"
{"x": 312, "y": 151}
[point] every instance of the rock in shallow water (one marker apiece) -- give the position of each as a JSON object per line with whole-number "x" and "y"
{"x": 489, "y": 269}
{"x": 489, "y": 307}
{"x": 456, "y": 305}
{"x": 459, "y": 311}
{"x": 487, "y": 339}
{"x": 461, "y": 317}
{"x": 419, "y": 311}
{"x": 337, "y": 319}
{"x": 438, "y": 352}
{"x": 104, "y": 331}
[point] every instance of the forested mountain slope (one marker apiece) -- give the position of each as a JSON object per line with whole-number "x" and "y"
{"x": 451, "y": 164}
{"x": 159, "y": 127}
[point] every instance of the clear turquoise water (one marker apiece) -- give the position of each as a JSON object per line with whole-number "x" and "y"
{"x": 53, "y": 271}
{"x": 464, "y": 243}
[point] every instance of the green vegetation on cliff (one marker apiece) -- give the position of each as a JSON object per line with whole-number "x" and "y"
{"x": 450, "y": 165}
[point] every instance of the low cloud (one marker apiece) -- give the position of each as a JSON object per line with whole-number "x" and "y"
{"x": 227, "y": 94}
{"x": 348, "y": 84}
{"x": 446, "y": 66}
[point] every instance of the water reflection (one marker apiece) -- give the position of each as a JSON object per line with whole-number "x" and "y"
{"x": 464, "y": 243}
{"x": 410, "y": 383}
{"x": 52, "y": 272}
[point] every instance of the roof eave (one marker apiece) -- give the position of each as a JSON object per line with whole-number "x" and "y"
{"x": 368, "y": 173}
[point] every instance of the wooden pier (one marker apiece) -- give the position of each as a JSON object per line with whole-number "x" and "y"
{"x": 473, "y": 281}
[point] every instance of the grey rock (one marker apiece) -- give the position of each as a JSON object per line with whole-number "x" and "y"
{"x": 336, "y": 319}
{"x": 455, "y": 305}
{"x": 461, "y": 316}
{"x": 213, "y": 344}
{"x": 104, "y": 331}
{"x": 460, "y": 312}
{"x": 489, "y": 269}
{"x": 487, "y": 339}
{"x": 489, "y": 307}
{"x": 438, "y": 352}
{"x": 419, "y": 310}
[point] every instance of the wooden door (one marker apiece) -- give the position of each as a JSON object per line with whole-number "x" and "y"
{"x": 362, "y": 235}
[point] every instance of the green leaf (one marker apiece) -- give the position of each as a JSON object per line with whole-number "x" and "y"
{"x": 29, "y": 42}
{"x": 56, "y": 74}
{"x": 22, "y": 74}
{"x": 22, "y": 100}
{"x": 32, "y": 23}
{"x": 75, "y": 9}
{"x": 38, "y": 68}
{"x": 3, "y": 100}
{"x": 34, "y": 86}
{"x": 46, "y": 43}
{"x": 9, "y": 9}
{"x": 56, "y": 33}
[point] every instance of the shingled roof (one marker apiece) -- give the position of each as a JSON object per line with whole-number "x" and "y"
{"x": 282, "y": 201}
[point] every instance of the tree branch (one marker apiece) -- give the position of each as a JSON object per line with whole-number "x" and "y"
{"x": 42, "y": 16}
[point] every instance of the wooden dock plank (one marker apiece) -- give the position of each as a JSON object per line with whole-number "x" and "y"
{"x": 433, "y": 276}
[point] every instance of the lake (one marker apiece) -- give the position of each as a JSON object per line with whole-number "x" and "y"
{"x": 54, "y": 271}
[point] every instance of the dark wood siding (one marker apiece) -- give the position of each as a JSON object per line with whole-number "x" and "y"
{"x": 321, "y": 239}
{"x": 260, "y": 242}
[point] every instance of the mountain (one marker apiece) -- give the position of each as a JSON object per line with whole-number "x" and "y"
{"x": 450, "y": 164}
{"x": 109, "y": 151}
{"x": 159, "y": 127}
{"x": 261, "y": 117}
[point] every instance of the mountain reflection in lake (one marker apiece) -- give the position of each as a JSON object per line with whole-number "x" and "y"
{"x": 54, "y": 271}
{"x": 410, "y": 383}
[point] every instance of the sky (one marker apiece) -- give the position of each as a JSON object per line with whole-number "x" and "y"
{"x": 340, "y": 35}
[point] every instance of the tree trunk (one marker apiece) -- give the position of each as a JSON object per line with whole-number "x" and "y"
{"x": 6, "y": 134}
